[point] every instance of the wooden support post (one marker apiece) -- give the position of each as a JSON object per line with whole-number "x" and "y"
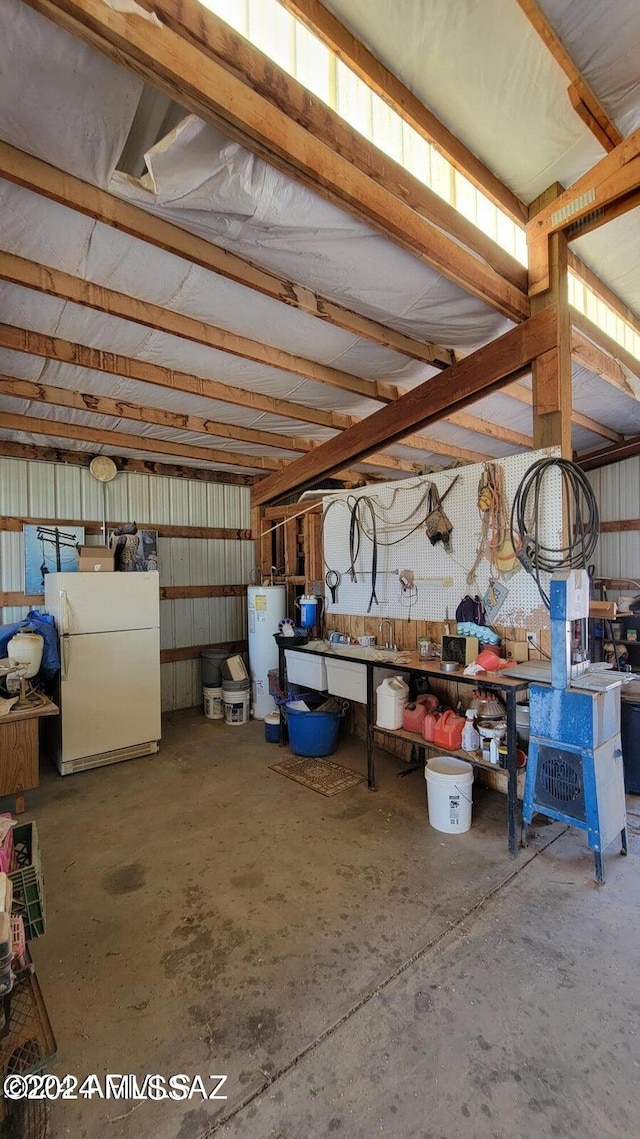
{"x": 551, "y": 372}
{"x": 263, "y": 558}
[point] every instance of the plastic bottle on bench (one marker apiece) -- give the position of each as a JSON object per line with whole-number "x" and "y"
{"x": 470, "y": 734}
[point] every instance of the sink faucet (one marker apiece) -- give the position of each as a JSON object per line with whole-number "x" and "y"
{"x": 387, "y": 643}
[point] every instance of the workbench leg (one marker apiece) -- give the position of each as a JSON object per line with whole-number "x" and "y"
{"x": 597, "y": 858}
{"x": 371, "y": 765}
{"x": 284, "y": 727}
{"x": 512, "y": 768}
{"x": 623, "y": 841}
{"x": 19, "y": 805}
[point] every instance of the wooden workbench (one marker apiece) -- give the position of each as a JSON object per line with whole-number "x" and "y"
{"x": 19, "y": 750}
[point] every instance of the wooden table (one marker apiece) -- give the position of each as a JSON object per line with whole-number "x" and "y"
{"x": 19, "y": 750}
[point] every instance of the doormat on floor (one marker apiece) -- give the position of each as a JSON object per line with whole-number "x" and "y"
{"x": 320, "y": 775}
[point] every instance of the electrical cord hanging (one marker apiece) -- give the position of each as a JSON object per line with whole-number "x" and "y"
{"x": 580, "y": 511}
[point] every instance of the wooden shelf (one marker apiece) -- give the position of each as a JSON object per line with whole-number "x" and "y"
{"x": 416, "y": 738}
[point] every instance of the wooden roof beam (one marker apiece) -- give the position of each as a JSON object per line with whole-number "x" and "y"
{"x": 601, "y": 354}
{"x": 583, "y": 98}
{"x": 56, "y": 283}
{"x": 25, "y": 170}
{"x": 486, "y": 370}
{"x": 627, "y": 449}
{"x": 603, "y": 292}
{"x": 125, "y": 409}
{"x": 72, "y": 288}
{"x": 61, "y": 430}
{"x": 525, "y": 395}
{"x": 221, "y": 43}
{"x": 170, "y": 61}
{"x": 68, "y": 352}
{"x": 33, "y": 453}
{"x": 609, "y": 189}
{"x": 330, "y": 31}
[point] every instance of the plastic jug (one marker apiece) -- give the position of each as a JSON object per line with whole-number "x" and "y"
{"x": 448, "y": 730}
{"x": 413, "y": 718}
{"x": 392, "y": 695}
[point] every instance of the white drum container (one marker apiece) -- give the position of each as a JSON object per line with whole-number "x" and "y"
{"x": 266, "y": 606}
{"x": 392, "y": 695}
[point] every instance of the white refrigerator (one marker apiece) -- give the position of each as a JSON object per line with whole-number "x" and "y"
{"x": 109, "y": 688}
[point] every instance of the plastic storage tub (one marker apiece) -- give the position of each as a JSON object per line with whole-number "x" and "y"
{"x": 312, "y": 734}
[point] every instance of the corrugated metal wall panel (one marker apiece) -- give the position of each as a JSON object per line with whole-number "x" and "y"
{"x": 52, "y": 490}
{"x": 617, "y": 490}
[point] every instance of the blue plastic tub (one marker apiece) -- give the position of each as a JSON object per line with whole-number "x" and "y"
{"x": 313, "y": 734}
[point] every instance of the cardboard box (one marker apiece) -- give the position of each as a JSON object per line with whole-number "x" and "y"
{"x": 96, "y": 559}
{"x": 233, "y": 668}
{"x": 518, "y": 651}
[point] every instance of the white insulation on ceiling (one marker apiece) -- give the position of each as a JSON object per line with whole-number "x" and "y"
{"x": 76, "y": 112}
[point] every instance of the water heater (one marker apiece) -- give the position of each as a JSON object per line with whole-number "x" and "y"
{"x": 266, "y": 605}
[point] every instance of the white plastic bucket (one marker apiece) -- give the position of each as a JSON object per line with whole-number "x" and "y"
{"x": 236, "y": 707}
{"x": 213, "y": 709}
{"x": 449, "y": 793}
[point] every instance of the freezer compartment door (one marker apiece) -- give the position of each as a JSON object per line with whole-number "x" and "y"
{"x": 103, "y": 602}
{"x": 109, "y": 692}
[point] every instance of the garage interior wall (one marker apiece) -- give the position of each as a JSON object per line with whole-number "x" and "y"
{"x": 617, "y": 490}
{"x": 53, "y": 491}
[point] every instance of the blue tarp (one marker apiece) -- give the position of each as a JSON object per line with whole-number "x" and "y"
{"x": 40, "y": 623}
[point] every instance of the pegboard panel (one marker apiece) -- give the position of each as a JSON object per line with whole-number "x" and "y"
{"x": 440, "y": 575}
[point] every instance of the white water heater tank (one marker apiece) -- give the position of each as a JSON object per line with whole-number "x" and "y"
{"x": 266, "y": 605}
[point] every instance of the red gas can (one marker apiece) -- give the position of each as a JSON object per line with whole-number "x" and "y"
{"x": 429, "y": 700}
{"x": 448, "y": 730}
{"x": 413, "y": 717}
{"x": 428, "y": 726}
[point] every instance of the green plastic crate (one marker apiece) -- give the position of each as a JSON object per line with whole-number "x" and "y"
{"x": 28, "y": 880}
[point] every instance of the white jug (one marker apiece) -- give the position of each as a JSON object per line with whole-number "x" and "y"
{"x": 392, "y": 695}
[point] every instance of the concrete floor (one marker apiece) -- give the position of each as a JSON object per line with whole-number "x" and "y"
{"x": 351, "y": 971}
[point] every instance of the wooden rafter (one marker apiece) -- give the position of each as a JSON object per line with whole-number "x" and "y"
{"x": 72, "y": 288}
{"x": 57, "y": 429}
{"x": 587, "y": 339}
{"x": 125, "y": 409}
{"x": 583, "y": 98}
{"x": 628, "y": 449}
{"x": 200, "y": 83}
{"x": 606, "y": 191}
{"x": 25, "y": 170}
{"x": 68, "y": 352}
{"x": 33, "y": 453}
{"x": 214, "y": 36}
{"x": 486, "y": 370}
{"x": 137, "y": 442}
{"x": 69, "y": 287}
{"x": 388, "y": 87}
{"x": 604, "y": 292}
{"x": 525, "y": 395}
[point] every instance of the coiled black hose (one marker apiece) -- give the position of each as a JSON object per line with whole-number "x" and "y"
{"x": 580, "y": 514}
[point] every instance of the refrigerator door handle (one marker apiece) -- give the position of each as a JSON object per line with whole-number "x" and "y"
{"x": 66, "y": 656}
{"x": 64, "y": 613}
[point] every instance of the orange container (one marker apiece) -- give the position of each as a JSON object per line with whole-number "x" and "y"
{"x": 428, "y": 726}
{"x": 429, "y": 700}
{"x": 413, "y": 716}
{"x": 448, "y": 730}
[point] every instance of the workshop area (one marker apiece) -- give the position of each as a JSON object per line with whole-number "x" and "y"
{"x": 319, "y": 568}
